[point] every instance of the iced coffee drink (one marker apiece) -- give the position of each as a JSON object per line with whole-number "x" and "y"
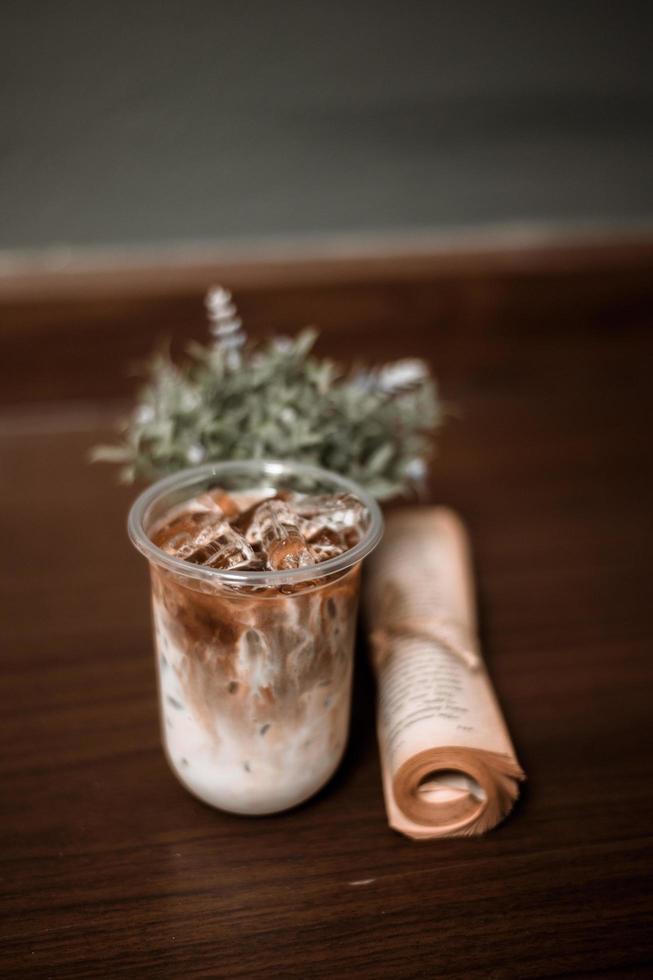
{"x": 255, "y": 578}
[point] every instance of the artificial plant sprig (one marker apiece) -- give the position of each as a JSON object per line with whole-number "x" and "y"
{"x": 238, "y": 400}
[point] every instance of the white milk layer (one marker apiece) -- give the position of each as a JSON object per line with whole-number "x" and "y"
{"x": 242, "y": 765}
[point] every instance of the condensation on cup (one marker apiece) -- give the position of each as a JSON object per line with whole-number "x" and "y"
{"x": 255, "y": 570}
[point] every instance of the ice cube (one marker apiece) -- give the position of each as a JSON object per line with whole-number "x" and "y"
{"x": 185, "y": 532}
{"x": 327, "y": 546}
{"x": 273, "y": 528}
{"x": 229, "y": 549}
{"x": 341, "y": 516}
{"x": 206, "y": 538}
{"x": 249, "y": 503}
{"x": 218, "y": 501}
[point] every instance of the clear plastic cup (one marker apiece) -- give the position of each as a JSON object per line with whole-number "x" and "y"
{"x": 254, "y": 668}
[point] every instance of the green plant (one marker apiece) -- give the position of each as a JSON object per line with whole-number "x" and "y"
{"x": 238, "y": 400}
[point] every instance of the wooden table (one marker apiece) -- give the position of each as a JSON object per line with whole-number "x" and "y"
{"x": 110, "y": 869}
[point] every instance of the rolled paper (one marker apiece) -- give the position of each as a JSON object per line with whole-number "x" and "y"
{"x": 448, "y": 764}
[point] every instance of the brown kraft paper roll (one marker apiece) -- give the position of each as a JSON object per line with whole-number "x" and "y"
{"x": 449, "y": 767}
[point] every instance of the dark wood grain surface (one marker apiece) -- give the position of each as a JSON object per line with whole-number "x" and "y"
{"x": 110, "y": 869}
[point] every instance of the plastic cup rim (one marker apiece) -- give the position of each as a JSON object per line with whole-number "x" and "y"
{"x": 263, "y": 467}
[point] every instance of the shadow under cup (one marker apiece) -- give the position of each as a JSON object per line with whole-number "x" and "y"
{"x": 254, "y": 668}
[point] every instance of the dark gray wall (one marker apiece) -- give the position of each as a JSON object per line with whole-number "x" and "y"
{"x": 143, "y": 122}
